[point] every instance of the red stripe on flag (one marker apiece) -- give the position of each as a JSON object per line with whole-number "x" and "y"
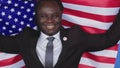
{"x": 99, "y": 58}
{"x": 66, "y": 23}
{"x": 114, "y": 48}
{"x": 100, "y": 3}
{"x": 85, "y": 66}
{"x": 90, "y": 30}
{"x": 89, "y": 15}
{"x": 10, "y": 60}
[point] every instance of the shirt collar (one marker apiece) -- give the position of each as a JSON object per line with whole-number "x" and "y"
{"x": 44, "y": 36}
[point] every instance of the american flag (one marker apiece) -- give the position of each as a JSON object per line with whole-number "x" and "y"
{"x": 92, "y": 15}
{"x": 14, "y": 16}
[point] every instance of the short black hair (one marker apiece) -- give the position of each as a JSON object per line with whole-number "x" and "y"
{"x": 38, "y": 4}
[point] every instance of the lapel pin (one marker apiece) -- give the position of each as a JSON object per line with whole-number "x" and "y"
{"x": 64, "y": 38}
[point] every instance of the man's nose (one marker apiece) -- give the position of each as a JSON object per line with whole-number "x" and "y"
{"x": 50, "y": 19}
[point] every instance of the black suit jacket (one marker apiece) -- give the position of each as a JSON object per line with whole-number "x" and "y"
{"x": 77, "y": 42}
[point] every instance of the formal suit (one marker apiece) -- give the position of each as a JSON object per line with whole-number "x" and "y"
{"x": 77, "y": 41}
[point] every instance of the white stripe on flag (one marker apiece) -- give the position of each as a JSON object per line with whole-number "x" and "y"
{"x": 4, "y": 56}
{"x": 87, "y": 22}
{"x": 93, "y": 10}
{"x": 95, "y": 64}
{"x": 105, "y": 53}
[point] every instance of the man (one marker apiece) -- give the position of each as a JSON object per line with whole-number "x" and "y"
{"x": 68, "y": 44}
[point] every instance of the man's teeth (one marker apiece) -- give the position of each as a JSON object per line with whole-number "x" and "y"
{"x": 50, "y": 26}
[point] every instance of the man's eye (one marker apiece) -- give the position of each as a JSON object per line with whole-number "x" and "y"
{"x": 42, "y": 16}
{"x": 56, "y": 16}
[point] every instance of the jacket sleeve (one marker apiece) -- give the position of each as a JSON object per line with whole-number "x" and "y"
{"x": 93, "y": 42}
{"x": 9, "y": 44}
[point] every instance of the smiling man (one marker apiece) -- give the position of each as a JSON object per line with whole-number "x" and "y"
{"x": 49, "y": 17}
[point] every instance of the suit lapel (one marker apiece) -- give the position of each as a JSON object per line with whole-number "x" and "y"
{"x": 34, "y": 54}
{"x": 64, "y": 38}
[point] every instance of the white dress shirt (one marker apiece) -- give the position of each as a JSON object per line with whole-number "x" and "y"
{"x": 41, "y": 47}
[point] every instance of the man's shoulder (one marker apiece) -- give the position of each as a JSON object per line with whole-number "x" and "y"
{"x": 72, "y": 30}
{"x": 76, "y": 30}
{"x": 29, "y": 31}
{"x": 76, "y": 27}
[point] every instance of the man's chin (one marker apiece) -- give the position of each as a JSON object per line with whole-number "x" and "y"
{"x": 49, "y": 33}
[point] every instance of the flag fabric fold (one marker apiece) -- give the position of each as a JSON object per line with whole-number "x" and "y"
{"x": 94, "y": 17}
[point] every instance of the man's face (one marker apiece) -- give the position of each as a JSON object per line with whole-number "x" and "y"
{"x": 49, "y": 17}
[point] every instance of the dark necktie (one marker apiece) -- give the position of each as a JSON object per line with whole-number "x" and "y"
{"x": 49, "y": 53}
